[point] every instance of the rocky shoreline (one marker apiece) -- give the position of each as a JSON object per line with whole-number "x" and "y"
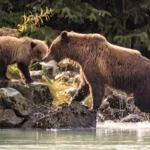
{"x": 30, "y": 106}
{"x": 27, "y": 107}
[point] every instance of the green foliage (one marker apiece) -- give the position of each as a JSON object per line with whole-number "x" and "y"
{"x": 124, "y": 23}
{"x": 77, "y": 11}
{"x": 8, "y": 18}
{"x": 126, "y": 40}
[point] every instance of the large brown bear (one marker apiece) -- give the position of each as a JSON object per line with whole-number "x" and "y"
{"x": 103, "y": 64}
{"x": 20, "y": 51}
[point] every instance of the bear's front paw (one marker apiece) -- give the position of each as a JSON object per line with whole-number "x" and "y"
{"x": 28, "y": 81}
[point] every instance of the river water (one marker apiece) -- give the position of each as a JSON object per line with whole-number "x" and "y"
{"x": 107, "y": 136}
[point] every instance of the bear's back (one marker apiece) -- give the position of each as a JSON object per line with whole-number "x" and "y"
{"x": 8, "y": 43}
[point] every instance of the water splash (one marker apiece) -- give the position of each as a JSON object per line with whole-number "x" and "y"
{"x": 124, "y": 126}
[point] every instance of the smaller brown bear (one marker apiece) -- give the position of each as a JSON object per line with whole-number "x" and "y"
{"x": 20, "y": 51}
{"x": 103, "y": 63}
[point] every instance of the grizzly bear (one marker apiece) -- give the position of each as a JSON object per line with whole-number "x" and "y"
{"x": 103, "y": 63}
{"x": 20, "y": 51}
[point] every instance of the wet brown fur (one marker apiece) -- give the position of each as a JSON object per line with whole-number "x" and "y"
{"x": 21, "y": 51}
{"x": 104, "y": 63}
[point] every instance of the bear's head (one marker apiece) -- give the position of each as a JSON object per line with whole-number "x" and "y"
{"x": 39, "y": 49}
{"x": 59, "y": 48}
{"x": 73, "y": 45}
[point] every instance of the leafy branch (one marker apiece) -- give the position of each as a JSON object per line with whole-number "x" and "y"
{"x": 34, "y": 20}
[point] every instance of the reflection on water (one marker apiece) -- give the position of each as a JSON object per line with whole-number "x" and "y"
{"x": 107, "y": 136}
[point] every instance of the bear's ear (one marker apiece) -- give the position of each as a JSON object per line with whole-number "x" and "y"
{"x": 33, "y": 44}
{"x": 64, "y": 35}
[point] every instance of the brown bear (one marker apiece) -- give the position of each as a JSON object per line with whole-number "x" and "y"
{"x": 20, "y": 51}
{"x": 103, "y": 63}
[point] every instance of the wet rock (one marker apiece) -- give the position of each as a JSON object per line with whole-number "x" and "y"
{"x": 113, "y": 107}
{"x": 132, "y": 118}
{"x": 112, "y": 114}
{"x": 36, "y": 92}
{"x": 11, "y": 99}
{"x": 33, "y": 118}
{"x": 130, "y": 105}
{"x": 74, "y": 115}
{"x": 8, "y": 119}
{"x": 69, "y": 116}
{"x": 115, "y": 100}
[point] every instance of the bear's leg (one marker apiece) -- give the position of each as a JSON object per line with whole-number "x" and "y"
{"x": 82, "y": 92}
{"x": 24, "y": 68}
{"x": 3, "y": 70}
{"x": 96, "y": 88}
{"x": 142, "y": 96}
{"x": 4, "y": 73}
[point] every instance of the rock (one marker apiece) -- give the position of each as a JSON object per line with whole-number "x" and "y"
{"x": 50, "y": 69}
{"x": 36, "y": 92}
{"x": 32, "y": 120}
{"x": 132, "y": 118}
{"x": 65, "y": 76}
{"x": 3, "y": 83}
{"x": 74, "y": 115}
{"x": 8, "y": 119}
{"x": 77, "y": 79}
{"x": 69, "y": 116}
{"x": 130, "y": 105}
{"x": 116, "y": 100}
{"x": 112, "y": 114}
{"x": 69, "y": 77}
{"x": 71, "y": 91}
{"x": 11, "y": 99}
{"x": 36, "y": 75}
{"x": 113, "y": 107}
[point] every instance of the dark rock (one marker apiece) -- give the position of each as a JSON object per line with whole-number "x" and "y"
{"x": 36, "y": 92}
{"x": 11, "y": 99}
{"x": 113, "y": 107}
{"x": 130, "y": 105}
{"x": 32, "y": 120}
{"x": 8, "y": 119}
{"x": 74, "y": 115}
{"x": 3, "y": 83}
{"x": 116, "y": 100}
{"x": 132, "y": 118}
